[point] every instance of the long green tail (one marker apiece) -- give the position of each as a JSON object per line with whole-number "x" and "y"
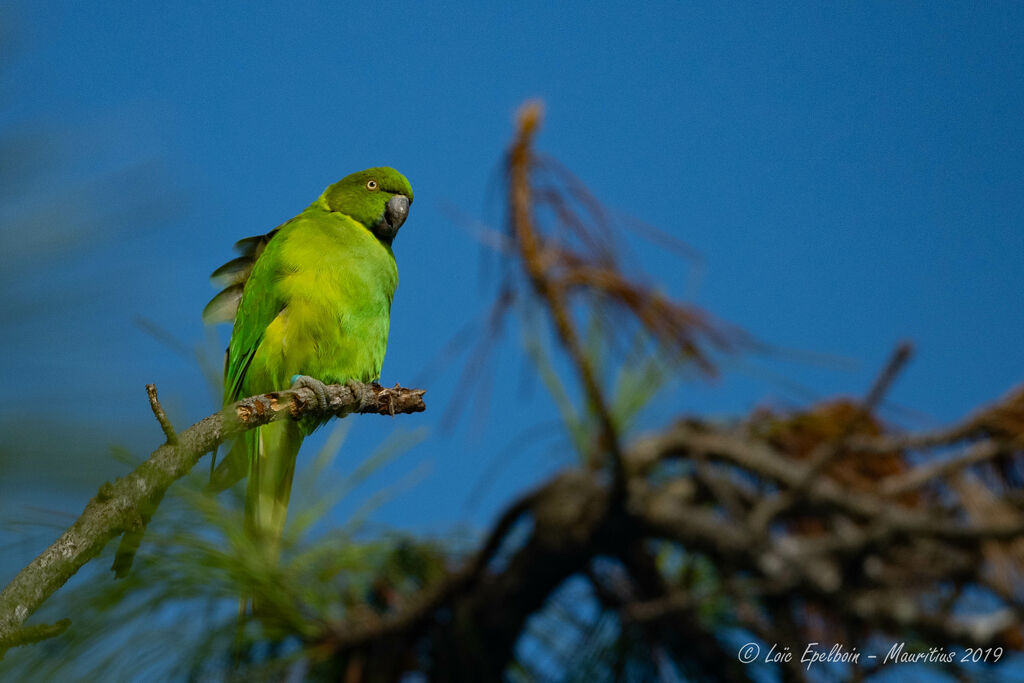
{"x": 271, "y": 450}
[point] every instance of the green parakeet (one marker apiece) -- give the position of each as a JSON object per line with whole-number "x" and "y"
{"x": 311, "y": 303}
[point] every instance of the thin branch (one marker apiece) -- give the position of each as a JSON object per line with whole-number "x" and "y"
{"x": 919, "y": 476}
{"x": 975, "y": 425}
{"x": 161, "y": 416}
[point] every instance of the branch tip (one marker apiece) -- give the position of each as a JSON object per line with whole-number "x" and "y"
{"x": 161, "y": 416}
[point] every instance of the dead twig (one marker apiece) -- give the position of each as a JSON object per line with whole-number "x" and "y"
{"x": 161, "y": 416}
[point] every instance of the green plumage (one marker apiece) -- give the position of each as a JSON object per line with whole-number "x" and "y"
{"x": 313, "y": 297}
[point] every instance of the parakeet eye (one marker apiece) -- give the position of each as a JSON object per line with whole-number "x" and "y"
{"x": 371, "y": 185}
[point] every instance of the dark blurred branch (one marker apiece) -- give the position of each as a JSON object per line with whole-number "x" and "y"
{"x": 829, "y": 450}
{"x": 875, "y": 576}
{"x": 118, "y": 507}
{"x": 921, "y": 476}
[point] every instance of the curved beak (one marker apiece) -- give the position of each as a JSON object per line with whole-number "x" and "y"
{"x": 394, "y": 215}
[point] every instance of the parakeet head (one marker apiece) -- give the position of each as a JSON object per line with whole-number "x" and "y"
{"x": 379, "y": 198}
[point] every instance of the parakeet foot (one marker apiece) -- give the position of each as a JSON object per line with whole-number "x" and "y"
{"x": 359, "y": 390}
{"x": 318, "y": 388}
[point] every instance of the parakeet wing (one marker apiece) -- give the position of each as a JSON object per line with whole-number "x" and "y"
{"x": 260, "y": 307}
{"x": 233, "y": 275}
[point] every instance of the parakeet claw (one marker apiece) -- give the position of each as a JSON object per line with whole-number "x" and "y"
{"x": 318, "y": 387}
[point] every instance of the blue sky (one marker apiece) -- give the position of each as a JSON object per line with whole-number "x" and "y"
{"x": 851, "y": 174}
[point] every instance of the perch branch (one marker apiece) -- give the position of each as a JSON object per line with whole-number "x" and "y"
{"x": 116, "y": 507}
